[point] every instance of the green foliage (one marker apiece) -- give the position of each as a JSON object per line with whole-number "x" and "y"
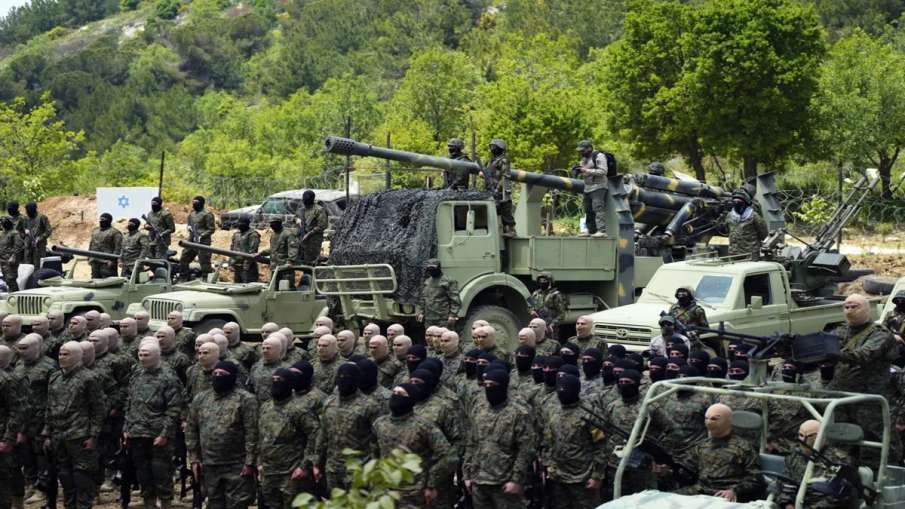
{"x": 129, "y": 5}
{"x": 815, "y": 211}
{"x": 374, "y": 484}
{"x": 167, "y": 9}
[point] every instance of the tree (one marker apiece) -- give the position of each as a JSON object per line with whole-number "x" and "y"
{"x": 861, "y": 104}
{"x": 593, "y": 24}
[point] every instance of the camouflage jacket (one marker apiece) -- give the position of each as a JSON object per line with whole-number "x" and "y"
{"x": 419, "y": 436}
{"x": 588, "y": 342}
{"x": 452, "y": 366}
{"x": 457, "y": 178}
{"x": 177, "y": 361}
{"x": 500, "y": 444}
{"x": 594, "y": 171}
{"x": 439, "y": 299}
{"x": 549, "y": 305}
{"x": 548, "y": 347}
{"x": 37, "y": 377}
{"x": 135, "y": 247}
{"x": 11, "y": 247}
{"x": 163, "y": 227}
{"x": 261, "y": 378}
{"x": 685, "y": 420}
{"x": 573, "y": 449}
{"x": 11, "y": 415}
{"x": 106, "y": 240}
{"x": 497, "y": 351}
{"x": 201, "y": 226}
{"x": 895, "y": 322}
{"x": 746, "y": 234}
{"x": 295, "y": 354}
{"x": 622, "y": 414}
{"x": 114, "y": 394}
{"x": 795, "y": 465}
{"x": 244, "y": 354}
{"x": 387, "y": 370}
{"x": 248, "y": 241}
{"x": 311, "y": 402}
{"x": 75, "y": 405}
{"x": 197, "y": 380}
{"x": 694, "y": 314}
{"x": 381, "y": 395}
{"x": 865, "y": 358}
{"x": 496, "y": 178}
{"x": 725, "y": 463}
{"x": 154, "y": 405}
{"x": 284, "y": 248}
{"x": 314, "y": 222}
{"x": 446, "y": 415}
{"x": 114, "y": 364}
{"x": 325, "y": 374}
{"x": 345, "y": 424}
{"x": 37, "y": 228}
{"x": 185, "y": 343}
{"x": 285, "y": 431}
{"x": 222, "y": 429}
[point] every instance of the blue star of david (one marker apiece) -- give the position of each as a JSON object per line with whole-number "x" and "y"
{"x": 122, "y": 201}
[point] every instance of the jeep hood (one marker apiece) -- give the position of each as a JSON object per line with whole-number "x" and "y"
{"x": 201, "y": 288}
{"x": 60, "y": 282}
{"x": 643, "y": 314}
{"x": 190, "y": 299}
{"x": 64, "y": 292}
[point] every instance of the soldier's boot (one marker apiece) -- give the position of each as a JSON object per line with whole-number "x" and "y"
{"x": 149, "y": 503}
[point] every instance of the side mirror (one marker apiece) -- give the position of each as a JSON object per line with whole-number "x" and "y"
{"x": 757, "y": 302}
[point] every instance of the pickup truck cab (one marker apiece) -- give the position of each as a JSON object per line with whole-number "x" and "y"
{"x": 749, "y": 297}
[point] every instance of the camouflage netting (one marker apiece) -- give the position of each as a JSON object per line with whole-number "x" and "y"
{"x": 397, "y": 228}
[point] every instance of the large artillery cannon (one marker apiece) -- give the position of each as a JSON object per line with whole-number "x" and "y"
{"x": 224, "y": 252}
{"x": 66, "y": 252}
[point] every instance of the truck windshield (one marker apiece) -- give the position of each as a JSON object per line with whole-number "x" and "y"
{"x": 708, "y": 288}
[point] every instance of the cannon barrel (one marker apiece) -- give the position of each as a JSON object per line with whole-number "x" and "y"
{"x": 347, "y": 147}
{"x": 84, "y": 252}
{"x": 692, "y": 189}
{"x": 225, "y": 252}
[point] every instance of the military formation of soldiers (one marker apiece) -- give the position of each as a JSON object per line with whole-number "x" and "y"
{"x": 23, "y": 240}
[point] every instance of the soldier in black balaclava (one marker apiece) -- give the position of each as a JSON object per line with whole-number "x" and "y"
{"x": 717, "y": 368}
{"x": 36, "y": 230}
{"x": 105, "y": 239}
{"x": 456, "y": 178}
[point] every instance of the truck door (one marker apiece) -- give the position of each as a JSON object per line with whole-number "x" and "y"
{"x": 467, "y": 239}
{"x": 766, "y": 309}
{"x": 291, "y": 301}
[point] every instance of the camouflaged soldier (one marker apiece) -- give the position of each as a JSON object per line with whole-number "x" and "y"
{"x": 152, "y": 418}
{"x": 687, "y": 310}
{"x": 283, "y": 245}
{"x": 245, "y": 240}
{"x": 184, "y": 336}
{"x": 573, "y": 452}
{"x": 895, "y": 319}
{"x": 221, "y": 436}
{"x": 36, "y": 231}
{"x": 496, "y": 181}
{"x": 291, "y": 352}
{"x": 327, "y": 363}
{"x": 544, "y": 343}
{"x": 11, "y": 329}
{"x": 262, "y": 371}
{"x": 11, "y": 426}
{"x": 201, "y": 227}
{"x": 456, "y": 178}
{"x": 169, "y": 354}
{"x": 313, "y": 223}
{"x": 75, "y": 413}
{"x": 405, "y": 430}
{"x": 439, "y": 303}
{"x": 594, "y": 170}
{"x": 547, "y": 303}
{"x": 105, "y": 239}
{"x": 684, "y": 414}
{"x": 451, "y": 356}
{"x": 35, "y": 369}
{"x": 285, "y": 432}
{"x": 367, "y": 383}
{"x": 379, "y": 351}
{"x": 584, "y": 336}
{"x": 499, "y": 447}
{"x": 346, "y": 423}
{"x": 160, "y": 226}
{"x": 745, "y": 226}
{"x": 136, "y": 246}
{"x": 11, "y": 253}
{"x": 445, "y": 414}
{"x": 241, "y": 352}
{"x": 310, "y": 398}
{"x": 199, "y": 376}
{"x": 795, "y": 465}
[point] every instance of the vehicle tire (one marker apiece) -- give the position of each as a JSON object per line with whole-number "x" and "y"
{"x": 878, "y": 285}
{"x": 40, "y": 275}
{"x": 206, "y": 325}
{"x": 503, "y": 320}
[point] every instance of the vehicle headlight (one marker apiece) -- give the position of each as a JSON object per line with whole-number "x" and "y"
{"x": 11, "y": 300}
{"x": 179, "y": 307}
{"x": 47, "y": 300}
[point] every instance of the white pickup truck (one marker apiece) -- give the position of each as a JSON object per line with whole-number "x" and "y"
{"x": 749, "y": 297}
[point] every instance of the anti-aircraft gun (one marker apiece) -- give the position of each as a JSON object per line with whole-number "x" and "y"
{"x": 224, "y": 252}
{"x": 66, "y": 253}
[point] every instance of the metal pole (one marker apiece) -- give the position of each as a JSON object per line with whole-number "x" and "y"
{"x": 388, "y": 175}
{"x": 841, "y": 202}
{"x": 348, "y": 157}
{"x": 160, "y": 181}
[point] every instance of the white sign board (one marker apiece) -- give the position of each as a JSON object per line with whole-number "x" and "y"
{"x": 125, "y": 202}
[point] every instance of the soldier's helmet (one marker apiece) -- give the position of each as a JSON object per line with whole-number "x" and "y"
{"x": 432, "y": 262}
{"x": 545, "y": 275}
{"x": 455, "y": 143}
{"x": 743, "y": 194}
{"x": 498, "y": 143}
{"x": 899, "y": 297}
{"x": 243, "y": 221}
{"x": 656, "y": 168}
{"x": 584, "y": 145}
{"x": 684, "y": 289}
{"x": 667, "y": 319}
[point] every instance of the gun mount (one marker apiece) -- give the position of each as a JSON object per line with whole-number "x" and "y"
{"x": 224, "y": 252}
{"x": 67, "y": 252}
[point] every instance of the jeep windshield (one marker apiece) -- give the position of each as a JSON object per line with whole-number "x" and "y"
{"x": 280, "y": 206}
{"x": 710, "y": 289}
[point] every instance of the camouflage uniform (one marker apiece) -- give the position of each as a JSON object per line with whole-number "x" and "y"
{"x": 444, "y": 414}
{"x": 693, "y": 315}
{"x": 496, "y": 181}
{"x": 795, "y": 465}
{"x": 345, "y": 424}
{"x": 452, "y": 366}
{"x": 588, "y": 342}
{"x": 623, "y": 414}
{"x": 262, "y": 378}
{"x": 177, "y": 361}
{"x": 163, "y": 228}
{"x": 222, "y": 434}
{"x": 726, "y": 463}
{"x": 457, "y": 178}
{"x": 244, "y": 354}
{"x": 36, "y": 232}
{"x": 286, "y": 431}
{"x": 11, "y": 252}
{"x": 685, "y": 422}
{"x": 201, "y": 228}
{"x": 415, "y": 434}
{"x": 439, "y": 300}
{"x": 549, "y": 305}
{"x": 547, "y": 347}
{"x": 498, "y": 352}
{"x": 746, "y": 233}
{"x": 75, "y": 413}
{"x": 136, "y": 246}
{"x": 325, "y": 374}
{"x": 500, "y": 447}
{"x": 573, "y": 453}
{"x": 381, "y": 395}
{"x": 11, "y": 423}
{"x": 387, "y": 369}
{"x": 249, "y": 241}
{"x": 185, "y": 343}
{"x": 314, "y": 223}
{"x": 153, "y": 409}
{"x": 197, "y": 380}
{"x": 36, "y": 376}
{"x": 283, "y": 248}
{"x": 105, "y": 240}
{"x": 595, "y": 172}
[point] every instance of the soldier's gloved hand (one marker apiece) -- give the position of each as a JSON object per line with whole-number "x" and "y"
{"x": 299, "y": 473}
{"x": 160, "y": 442}
{"x": 6, "y": 447}
{"x": 247, "y": 471}
{"x": 512, "y": 488}
{"x": 430, "y": 494}
{"x": 89, "y": 444}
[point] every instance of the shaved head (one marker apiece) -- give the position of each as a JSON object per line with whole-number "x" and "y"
{"x": 268, "y": 329}
{"x": 526, "y": 337}
{"x": 99, "y": 339}
{"x": 222, "y": 344}
{"x": 345, "y": 340}
{"x": 808, "y": 430}
{"x": 142, "y": 318}
{"x": 449, "y": 342}
{"x": 149, "y": 355}
{"x": 88, "y": 353}
{"x": 272, "y": 348}
{"x": 208, "y": 355}
{"x": 401, "y": 345}
{"x": 327, "y": 349}
{"x": 57, "y": 320}
{"x": 370, "y": 330}
{"x": 324, "y": 321}
{"x": 92, "y": 321}
{"x": 378, "y": 347}
{"x": 128, "y": 329}
{"x": 395, "y": 330}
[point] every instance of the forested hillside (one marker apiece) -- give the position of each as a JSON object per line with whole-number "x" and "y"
{"x": 95, "y": 91}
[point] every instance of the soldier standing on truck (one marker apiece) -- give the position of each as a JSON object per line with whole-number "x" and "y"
{"x": 594, "y": 168}
{"x": 37, "y": 230}
{"x": 160, "y": 225}
{"x": 201, "y": 228}
{"x": 283, "y": 249}
{"x": 136, "y": 246}
{"x": 313, "y": 220}
{"x": 687, "y": 310}
{"x": 456, "y": 179}
{"x": 440, "y": 302}
{"x": 895, "y": 320}
{"x": 746, "y": 228}
{"x": 547, "y": 303}
{"x": 10, "y": 253}
{"x": 245, "y": 240}
{"x": 105, "y": 239}
{"x": 496, "y": 181}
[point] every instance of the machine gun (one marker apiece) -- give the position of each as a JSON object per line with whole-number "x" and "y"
{"x": 154, "y": 232}
{"x": 224, "y": 252}
{"x": 66, "y": 253}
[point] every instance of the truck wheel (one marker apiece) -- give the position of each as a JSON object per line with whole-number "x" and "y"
{"x": 206, "y": 325}
{"x": 878, "y": 285}
{"x": 40, "y": 275}
{"x": 503, "y": 320}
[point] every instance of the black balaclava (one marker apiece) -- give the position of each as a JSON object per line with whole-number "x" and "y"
{"x": 688, "y": 371}
{"x": 428, "y": 382}
{"x": 699, "y": 359}
{"x": 657, "y": 368}
{"x": 368, "y": 372}
{"x": 355, "y": 357}
{"x": 434, "y": 365}
{"x": 623, "y": 364}
{"x": 7, "y": 223}
{"x": 899, "y": 301}
{"x": 616, "y": 351}
{"x": 133, "y": 225}
{"x": 737, "y": 351}
{"x": 827, "y": 372}
{"x": 306, "y": 374}
{"x": 31, "y": 209}
{"x": 717, "y": 368}
{"x": 12, "y": 208}
{"x": 591, "y": 363}
{"x": 198, "y": 203}
{"x": 281, "y": 388}
{"x": 308, "y": 198}
{"x": 569, "y": 353}
{"x": 487, "y": 358}
{"x": 524, "y": 356}
{"x": 106, "y": 220}
{"x": 550, "y": 368}
{"x": 637, "y": 359}
{"x": 674, "y": 367}
{"x": 419, "y": 352}
{"x": 402, "y": 405}
{"x": 684, "y": 298}
{"x": 471, "y": 363}
{"x": 568, "y": 389}
{"x": 156, "y": 204}
{"x": 224, "y": 383}
{"x": 789, "y": 372}
{"x": 606, "y": 371}
{"x": 347, "y": 377}
{"x": 537, "y": 368}
{"x": 543, "y": 283}
{"x": 497, "y": 395}
{"x": 243, "y": 224}
{"x": 568, "y": 369}
{"x": 738, "y": 365}
{"x": 433, "y": 269}
{"x": 276, "y": 226}
{"x": 681, "y": 349}
{"x": 629, "y": 391}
